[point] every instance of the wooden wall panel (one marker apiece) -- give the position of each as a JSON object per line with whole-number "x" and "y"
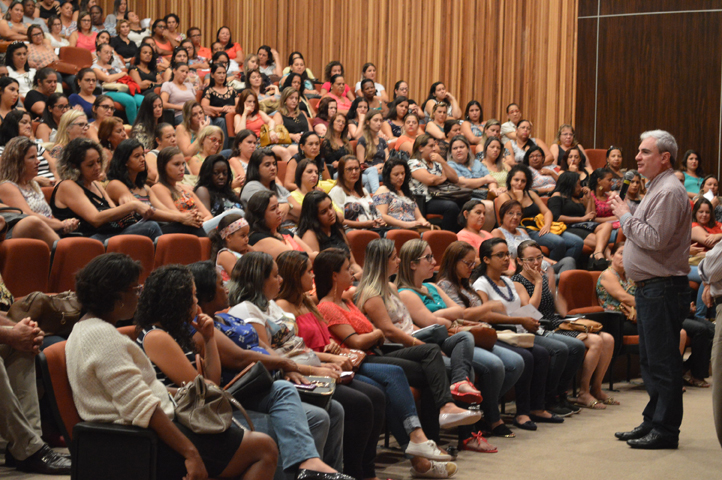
{"x": 655, "y": 71}
{"x": 494, "y": 51}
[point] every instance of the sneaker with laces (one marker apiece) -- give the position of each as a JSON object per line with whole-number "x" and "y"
{"x": 437, "y": 470}
{"x": 428, "y": 450}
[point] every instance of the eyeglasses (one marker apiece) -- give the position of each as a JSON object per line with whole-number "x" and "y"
{"x": 513, "y": 214}
{"x": 429, "y": 258}
{"x": 533, "y": 259}
{"x": 196, "y": 35}
{"x": 353, "y": 169}
{"x": 82, "y": 125}
{"x": 470, "y": 264}
{"x": 108, "y": 108}
{"x": 501, "y": 255}
{"x": 62, "y": 107}
{"x": 38, "y": 34}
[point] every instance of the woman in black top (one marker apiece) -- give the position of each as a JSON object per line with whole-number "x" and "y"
{"x": 335, "y": 143}
{"x": 295, "y": 80}
{"x": 310, "y": 146}
{"x": 291, "y": 116}
{"x": 569, "y": 204}
{"x": 122, "y": 45}
{"x": 214, "y": 186}
{"x": 145, "y": 70}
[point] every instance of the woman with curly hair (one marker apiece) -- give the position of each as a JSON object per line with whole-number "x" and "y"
{"x": 80, "y": 195}
{"x": 214, "y": 189}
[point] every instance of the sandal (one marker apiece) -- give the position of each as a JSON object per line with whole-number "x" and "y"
{"x": 467, "y": 397}
{"x": 593, "y": 405}
{"x": 483, "y": 446}
{"x": 694, "y": 382}
{"x": 610, "y": 401}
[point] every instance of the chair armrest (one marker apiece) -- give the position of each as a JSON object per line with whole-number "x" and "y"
{"x": 390, "y": 347}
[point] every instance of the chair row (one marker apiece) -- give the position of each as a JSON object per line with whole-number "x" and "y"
{"x": 28, "y": 265}
{"x": 438, "y": 240}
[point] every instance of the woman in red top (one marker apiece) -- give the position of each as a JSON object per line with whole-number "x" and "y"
{"x": 163, "y": 45}
{"x": 706, "y": 231}
{"x": 234, "y": 50}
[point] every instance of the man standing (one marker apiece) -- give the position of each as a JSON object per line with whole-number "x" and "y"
{"x": 656, "y": 258}
{"x": 19, "y": 411}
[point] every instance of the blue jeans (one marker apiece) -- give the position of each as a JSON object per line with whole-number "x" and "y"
{"x": 145, "y": 228}
{"x": 400, "y": 405}
{"x": 370, "y": 179}
{"x": 560, "y": 246}
{"x": 566, "y": 355}
{"x": 661, "y": 308}
{"x": 497, "y": 371}
{"x": 460, "y": 350}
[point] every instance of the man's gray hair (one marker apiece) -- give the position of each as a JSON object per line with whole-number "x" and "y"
{"x": 665, "y": 143}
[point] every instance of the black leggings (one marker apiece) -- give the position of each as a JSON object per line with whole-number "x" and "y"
{"x": 365, "y": 407}
{"x": 449, "y": 209}
{"x": 424, "y": 368}
{"x": 531, "y": 385}
{"x": 175, "y": 227}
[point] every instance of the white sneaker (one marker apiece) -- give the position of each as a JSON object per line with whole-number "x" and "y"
{"x": 437, "y": 470}
{"x": 428, "y": 450}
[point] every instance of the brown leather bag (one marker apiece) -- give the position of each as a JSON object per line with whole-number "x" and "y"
{"x": 356, "y": 356}
{"x": 55, "y": 314}
{"x": 484, "y": 337}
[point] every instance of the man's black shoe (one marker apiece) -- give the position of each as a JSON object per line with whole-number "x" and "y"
{"x": 653, "y": 441}
{"x": 638, "y": 432}
{"x": 45, "y": 461}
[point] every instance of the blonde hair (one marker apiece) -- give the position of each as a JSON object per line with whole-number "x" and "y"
{"x": 287, "y": 92}
{"x": 369, "y": 136}
{"x": 12, "y": 167}
{"x": 375, "y": 279}
{"x": 207, "y": 132}
{"x": 62, "y": 138}
{"x": 188, "y": 113}
{"x": 410, "y": 253}
{"x": 559, "y": 134}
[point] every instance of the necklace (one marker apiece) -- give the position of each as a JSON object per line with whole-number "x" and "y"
{"x": 498, "y": 290}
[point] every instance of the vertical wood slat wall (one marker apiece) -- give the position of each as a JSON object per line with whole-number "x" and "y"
{"x": 493, "y": 51}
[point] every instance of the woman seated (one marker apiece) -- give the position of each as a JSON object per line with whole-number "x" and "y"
{"x": 368, "y": 72}
{"x": 73, "y": 124}
{"x": 164, "y": 137}
{"x": 510, "y": 215}
{"x": 436, "y": 124}
{"x": 503, "y": 365}
{"x": 108, "y": 73}
{"x": 571, "y": 205}
{"x": 45, "y": 84}
{"x": 394, "y": 200}
{"x": 493, "y": 284}
{"x": 18, "y": 124}
{"x": 332, "y": 69}
{"x": 472, "y": 219}
{"x": 309, "y": 145}
{"x": 238, "y": 346}
{"x": 327, "y": 108}
{"x": 566, "y": 138}
{"x": 177, "y": 91}
{"x": 544, "y": 179}
{"x": 636, "y": 193}
{"x": 451, "y": 129}
{"x": 356, "y": 116}
{"x": 145, "y": 69}
{"x": 358, "y": 206}
{"x": 524, "y": 141}
{"x": 691, "y": 166}
{"x": 350, "y": 327}
{"x": 574, "y": 161}
{"x": 18, "y": 188}
{"x": 214, "y": 189}
{"x": 518, "y": 184}
{"x": 265, "y": 218}
{"x": 12, "y": 27}
{"x": 111, "y": 132}
{"x": 144, "y": 401}
{"x": 149, "y": 116}
{"x": 616, "y": 293}
{"x": 614, "y": 165}
{"x": 320, "y": 228}
{"x": 261, "y": 176}
{"x": 127, "y": 174}
{"x": 210, "y": 140}
{"x": 429, "y": 169}
{"x": 244, "y": 144}
{"x": 248, "y": 116}
{"x": 373, "y": 381}
{"x": 291, "y": 116}
{"x": 339, "y": 92}
{"x": 372, "y": 150}
{"x": 175, "y": 195}
{"x": 295, "y": 81}
{"x": 543, "y": 296}
{"x": 55, "y": 106}
{"x": 369, "y": 93}
{"x": 85, "y": 83}
{"x": 706, "y": 231}
{"x": 493, "y": 161}
{"x": 307, "y": 180}
{"x": 297, "y": 65}
{"x": 103, "y": 108}
{"x": 438, "y": 94}
{"x": 392, "y": 128}
{"x": 335, "y": 144}
{"x": 194, "y": 120}
{"x": 472, "y": 173}
{"x": 472, "y": 127}
{"x": 229, "y": 242}
{"x": 600, "y": 187}
{"x": 81, "y": 195}
{"x": 218, "y": 98}
{"x": 411, "y": 130}
{"x": 18, "y": 68}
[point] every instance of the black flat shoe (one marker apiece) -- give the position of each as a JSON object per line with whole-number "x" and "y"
{"x": 305, "y": 474}
{"x": 552, "y": 419}
{"x": 528, "y": 425}
{"x": 653, "y": 441}
{"x": 45, "y": 461}
{"x": 502, "y": 431}
{"x": 637, "y": 432}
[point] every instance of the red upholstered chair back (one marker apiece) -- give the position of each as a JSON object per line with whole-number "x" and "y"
{"x": 71, "y": 254}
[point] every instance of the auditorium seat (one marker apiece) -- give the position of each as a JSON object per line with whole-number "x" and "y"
{"x": 358, "y": 239}
{"x": 138, "y": 248}
{"x": 205, "y": 248}
{"x": 70, "y": 255}
{"x": 597, "y": 157}
{"x": 401, "y": 236}
{"x": 177, "y": 248}
{"x": 439, "y": 240}
{"x": 25, "y": 265}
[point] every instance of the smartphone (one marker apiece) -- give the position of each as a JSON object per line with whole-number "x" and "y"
{"x": 309, "y": 387}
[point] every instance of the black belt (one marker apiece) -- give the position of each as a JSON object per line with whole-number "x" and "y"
{"x": 650, "y": 281}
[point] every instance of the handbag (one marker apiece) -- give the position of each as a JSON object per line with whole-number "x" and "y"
{"x": 521, "y": 340}
{"x": 55, "y": 314}
{"x": 253, "y": 380}
{"x": 588, "y": 226}
{"x": 537, "y": 223}
{"x": 449, "y": 191}
{"x": 432, "y": 334}
{"x": 205, "y": 408}
{"x": 580, "y": 325}
{"x": 484, "y": 337}
{"x": 318, "y": 392}
{"x": 284, "y": 138}
{"x": 356, "y": 356}
{"x": 116, "y": 87}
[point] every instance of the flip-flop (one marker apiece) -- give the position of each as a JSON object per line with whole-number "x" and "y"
{"x": 593, "y": 405}
{"x": 610, "y": 401}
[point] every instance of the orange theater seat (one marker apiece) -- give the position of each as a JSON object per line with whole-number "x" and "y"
{"x": 205, "y": 248}
{"x": 597, "y": 157}
{"x": 358, "y": 239}
{"x": 439, "y": 240}
{"x": 399, "y": 237}
{"x": 71, "y": 254}
{"x": 177, "y": 248}
{"x": 138, "y": 248}
{"x": 579, "y": 289}
{"x": 25, "y": 265}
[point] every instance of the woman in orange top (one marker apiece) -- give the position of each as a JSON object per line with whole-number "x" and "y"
{"x": 234, "y": 50}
